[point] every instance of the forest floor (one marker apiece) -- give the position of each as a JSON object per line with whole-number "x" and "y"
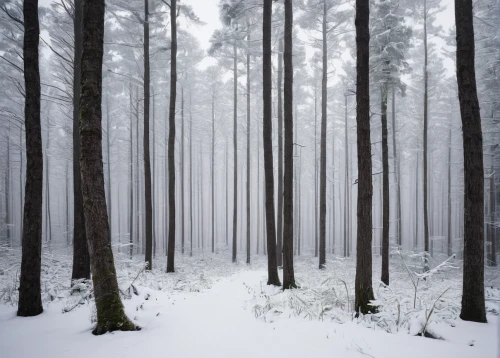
{"x": 212, "y": 308}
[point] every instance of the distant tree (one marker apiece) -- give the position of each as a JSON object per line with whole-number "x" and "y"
{"x": 363, "y": 284}
{"x": 30, "y": 300}
{"x": 390, "y": 40}
{"x": 473, "y": 308}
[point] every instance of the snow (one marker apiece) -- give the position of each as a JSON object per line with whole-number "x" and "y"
{"x": 214, "y": 315}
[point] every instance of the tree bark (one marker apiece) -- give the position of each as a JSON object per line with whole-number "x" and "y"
{"x": 426, "y": 124}
{"x": 267, "y": 142}
{"x": 131, "y": 179}
{"x": 235, "y": 150}
{"x": 473, "y": 308}
{"x": 450, "y": 244}
{"x": 385, "y": 186}
{"x": 397, "y": 175}
{"x": 30, "y": 300}
{"x": 288, "y": 272}
{"x": 108, "y": 147}
{"x": 363, "y": 283}
{"x": 212, "y": 168}
{"x": 171, "y": 138}
{"x": 248, "y": 146}
{"x": 181, "y": 163}
{"x": 279, "y": 239}
{"x": 110, "y": 312}
{"x": 322, "y": 165}
{"x": 493, "y": 258}
{"x": 190, "y": 174}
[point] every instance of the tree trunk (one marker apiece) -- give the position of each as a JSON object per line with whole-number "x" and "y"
{"x": 248, "y": 146}
{"x": 30, "y": 300}
{"x": 108, "y": 147}
{"x": 48, "y": 220}
{"x": 7, "y": 195}
{"x": 131, "y": 179}
{"x": 258, "y": 192}
{"x": 288, "y": 272}
{"x": 322, "y": 166}
{"x": 363, "y": 283}
{"x": 473, "y": 308}
{"x": 227, "y": 197}
{"x": 279, "y": 239}
{"x": 171, "y": 138}
{"x": 182, "y": 211}
{"x": 316, "y": 247}
{"x": 397, "y": 177}
{"x": 450, "y": 243}
{"x": 385, "y": 186}
{"x": 346, "y": 183}
{"x": 212, "y": 168}
{"x": 267, "y": 141}
{"x": 110, "y": 312}
{"x": 190, "y": 174}
{"x": 147, "y": 159}
{"x": 235, "y": 150}
{"x": 493, "y": 258}
{"x": 426, "y": 124}
{"x": 81, "y": 258}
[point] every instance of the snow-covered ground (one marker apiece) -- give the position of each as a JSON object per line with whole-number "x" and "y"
{"x": 212, "y": 308}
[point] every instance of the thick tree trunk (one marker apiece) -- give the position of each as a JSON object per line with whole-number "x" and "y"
{"x": 267, "y": 141}
{"x": 171, "y": 138}
{"x": 288, "y": 272}
{"x": 322, "y": 166}
{"x": 30, "y": 300}
{"x": 110, "y": 312}
{"x": 248, "y": 147}
{"x": 363, "y": 284}
{"x": 279, "y": 239}
{"x": 385, "y": 186}
{"x": 235, "y": 150}
{"x": 473, "y": 308}
{"x": 81, "y": 258}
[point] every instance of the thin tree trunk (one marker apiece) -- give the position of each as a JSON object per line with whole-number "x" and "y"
{"x": 227, "y": 197}
{"x": 279, "y": 239}
{"x": 7, "y": 195}
{"x": 48, "y": 220}
{"x": 147, "y": 159}
{"x": 171, "y": 138}
{"x": 316, "y": 247}
{"x": 397, "y": 177}
{"x": 363, "y": 283}
{"x": 473, "y": 308}
{"x": 322, "y": 165}
{"x": 235, "y": 150}
{"x": 493, "y": 258}
{"x": 248, "y": 146}
{"x": 110, "y": 312}
{"x": 450, "y": 244}
{"x": 288, "y": 272}
{"x": 21, "y": 166}
{"x": 385, "y": 186}
{"x": 108, "y": 147}
{"x": 346, "y": 180}
{"x": 30, "y": 300}
{"x": 258, "y": 192}
{"x": 426, "y": 124}
{"x": 182, "y": 211}
{"x": 131, "y": 178}
{"x": 267, "y": 141}
{"x": 153, "y": 180}
{"x": 190, "y": 175}
{"x": 212, "y": 168}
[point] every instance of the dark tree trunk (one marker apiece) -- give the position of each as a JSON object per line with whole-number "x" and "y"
{"x": 385, "y": 186}
{"x": 450, "y": 244}
{"x": 363, "y": 284}
{"x": 473, "y": 308}
{"x": 110, "y": 312}
{"x": 322, "y": 165}
{"x": 30, "y": 300}
{"x": 147, "y": 159}
{"x": 288, "y": 273}
{"x": 267, "y": 141}
{"x": 235, "y": 150}
{"x": 171, "y": 138}
{"x": 181, "y": 164}
{"x": 426, "y": 124}
{"x": 248, "y": 147}
{"x": 493, "y": 257}
{"x": 279, "y": 239}
{"x": 190, "y": 174}
{"x": 131, "y": 179}
{"x": 7, "y": 195}
{"x": 81, "y": 258}
{"x": 212, "y": 168}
